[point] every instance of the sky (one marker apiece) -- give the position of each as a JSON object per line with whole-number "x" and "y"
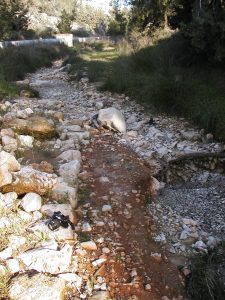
{"x": 103, "y": 4}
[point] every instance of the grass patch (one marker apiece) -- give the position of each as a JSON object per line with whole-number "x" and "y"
{"x": 16, "y": 62}
{"x": 207, "y": 281}
{"x": 4, "y": 286}
{"x": 163, "y": 76}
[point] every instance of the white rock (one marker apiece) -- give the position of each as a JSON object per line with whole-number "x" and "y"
{"x": 112, "y": 118}
{"x": 24, "y": 216}
{"x": 13, "y": 266}
{"x": 15, "y": 241}
{"x": 90, "y": 245}
{"x": 69, "y": 171}
{"x": 10, "y": 199}
{"x": 99, "y": 105}
{"x": 70, "y": 155}
{"x": 6, "y": 253}
{"x": 63, "y": 192}
{"x": 4, "y": 222}
{"x": 86, "y": 227}
{"x": 65, "y": 209}
{"x": 25, "y": 141}
{"x": 37, "y": 287}
{"x": 7, "y": 131}
{"x": 106, "y": 208}
{"x": 31, "y": 202}
{"x": 104, "y": 179}
{"x": 48, "y": 260}
{"x": 8, "y": 164}
{"x": 3, "y": 270}
{"x": 98, "y": 262}
{"x": 9, "y": 143}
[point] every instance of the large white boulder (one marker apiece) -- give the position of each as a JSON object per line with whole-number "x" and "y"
{"x": 8, "y": 164}
{"x": 112, "y": 118}
{"x": 25, "y": 141}
{"x": 69, "y": 171}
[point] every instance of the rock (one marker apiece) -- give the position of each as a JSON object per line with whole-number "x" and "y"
{"x": 28, "y": 93}
{"x": 112, "y": 118}
{"x": 3, "y": 270}
{"x": 209, "y": 137}
{"x": 29, "y": 180}
{"x": 104, "y": 179}
{"x": 69, "y": 171}
{"x": 9, "y": 143}
{"x": 59, "y": 116}
{"x": 106, "y": 208}
{"x": 90, "y": 245}
{"x": 13, "y": 266}
{"x": 47, "y": 260}
{"x": 44, "y": 166}
{"x": 200, "y": 246}
{"x": 31, "y": 202}
{"x": 154, "y": 186}
{"x": 99, "y": 105}
{"x": 4, "y": 222}
{"x": 36, "y": 287}
{"x": 191, "y": 136}
{"x": 38, "y": 127}
{"x": 60, "y": 234}
{"x": 6, "y": 253}
{"x": 65, "y": 209}
{"x": 70, "y": 155}
{"x": 10, "y": 161}
{"x": 16, "y": 241}
{"x": 101, "y": 295}
{"x": 8, "y": 164}
{"x": 8, "y": 200}
{"x": 86, "y": 227}
{"x": 8, "y": 132}
{"x": 63, "y": 192}
{"x": 25, "y": 141}
{"x": 157, "y": 257}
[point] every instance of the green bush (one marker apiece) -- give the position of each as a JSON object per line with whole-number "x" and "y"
{"x": 16, "y": 62}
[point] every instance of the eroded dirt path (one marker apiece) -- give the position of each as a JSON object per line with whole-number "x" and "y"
{"x": 136, "y": 267}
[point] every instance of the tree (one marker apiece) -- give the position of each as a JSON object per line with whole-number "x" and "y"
{"x": 13, "y": 19}
{"x": 119, "y": 21}
{"x": 64, "y": 25}
{"x": 206, "y": 31}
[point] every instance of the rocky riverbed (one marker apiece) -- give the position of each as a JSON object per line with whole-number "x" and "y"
{"x": 94, "y": 157}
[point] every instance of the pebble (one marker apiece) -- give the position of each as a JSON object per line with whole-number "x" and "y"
{"x": 90, "y": 245}
{"x": 106, "y": 208}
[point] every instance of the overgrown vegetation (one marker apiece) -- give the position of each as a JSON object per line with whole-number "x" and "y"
{"x": 207, "y": 281}
{"x": 16, "y": 62}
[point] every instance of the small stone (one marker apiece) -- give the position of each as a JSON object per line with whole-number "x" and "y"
{"x": 9, "y": 143}
{"x": 105, "y": 250}
{"x": 90, "y": 245}
{"x": 100, "y": 295}
{"x": 157, "y": 257}
{"x": 98, "y": 262}
{"x": 106, "y": 208}
{"x": 31, "y": 202}
{"x": 104, "y": 179}
{"x": 72, "y": 278}
{"x": 86, "y": 227}
{"x": 148, "y": 287}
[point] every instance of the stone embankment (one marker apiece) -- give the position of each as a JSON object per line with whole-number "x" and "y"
{"x": 95, "y": 157}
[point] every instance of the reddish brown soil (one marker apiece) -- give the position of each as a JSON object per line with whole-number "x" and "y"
{"x": 128, "y": 224}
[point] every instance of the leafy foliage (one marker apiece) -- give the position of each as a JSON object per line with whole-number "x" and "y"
{"x": 13, "y": 19}
{"x": 64, "y": 25}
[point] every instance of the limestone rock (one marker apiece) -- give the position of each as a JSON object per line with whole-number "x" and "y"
{"x": 25, "y": 141}
{"x": 8, "y": 164}
{"x": 47, "y": 260}
{"x": 154, "y": 186}
{"x": 31, "y": 202}
{"x": 63, "y": 192}
{"x": 90, "y": 245}
{"x": 69, "y": 171}
{"x": 29, "y": 180}
{"x": 9, "y": 143}
{"x": 39, "y": 127}
{"x": 112, "y": 119}
{"x": 36, "y": 287}
{"x": 65, "y": 209}
{"x": 8, "y": 132}
{"x": 70, "y": 155}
